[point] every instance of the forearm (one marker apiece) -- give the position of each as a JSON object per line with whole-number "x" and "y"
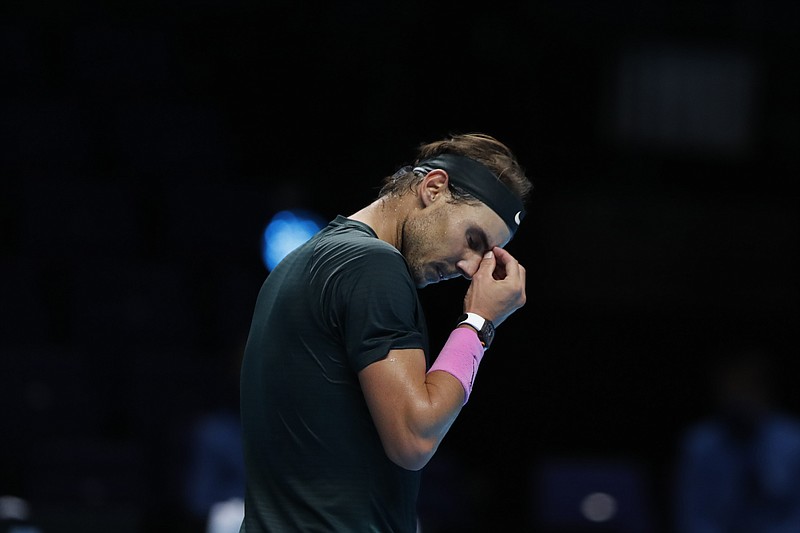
{"x": 413, "y": 409}
{"x": 445, "y": 398}
{"x": 449, "y": 383}
{"x": 428, "y": 418}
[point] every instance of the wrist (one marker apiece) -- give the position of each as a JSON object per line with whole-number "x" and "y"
{"x": 460, "y": 357}
{"x": 482, "y": 326}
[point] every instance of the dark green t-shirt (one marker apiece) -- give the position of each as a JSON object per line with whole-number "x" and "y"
{"x": 313, "y": 455}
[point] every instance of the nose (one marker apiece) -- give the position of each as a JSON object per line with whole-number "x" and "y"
{"x": 469, "y": 265}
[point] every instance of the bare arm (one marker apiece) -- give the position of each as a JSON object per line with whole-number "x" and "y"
{"x": 412, "y": 409}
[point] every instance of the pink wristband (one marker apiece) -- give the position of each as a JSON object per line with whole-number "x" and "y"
{"x": 460, "y": 357}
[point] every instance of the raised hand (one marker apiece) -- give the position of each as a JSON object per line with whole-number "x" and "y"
{"x": 497, "y": 288}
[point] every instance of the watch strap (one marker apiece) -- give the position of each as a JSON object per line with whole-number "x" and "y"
{"x": 473, "y": 319}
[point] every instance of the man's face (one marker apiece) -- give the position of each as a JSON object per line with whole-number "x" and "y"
{"x": 446, "y": 240}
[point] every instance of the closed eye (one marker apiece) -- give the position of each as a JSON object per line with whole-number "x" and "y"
{"x": 477, "y": 241}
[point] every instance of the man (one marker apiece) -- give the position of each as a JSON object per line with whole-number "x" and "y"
{"x": 340, "y": 408}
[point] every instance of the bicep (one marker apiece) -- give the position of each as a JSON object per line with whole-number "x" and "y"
{"x": 390, "y": 387}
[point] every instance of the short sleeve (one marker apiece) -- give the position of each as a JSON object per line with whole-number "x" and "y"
{"x": 380, "y": 309}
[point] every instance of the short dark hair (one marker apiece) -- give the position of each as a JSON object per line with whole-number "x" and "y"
{"x": 495, "y": 155}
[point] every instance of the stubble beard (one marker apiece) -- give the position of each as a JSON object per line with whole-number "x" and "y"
{"x": 412, "y": 237}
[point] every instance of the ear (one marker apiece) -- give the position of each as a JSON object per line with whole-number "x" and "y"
{"x": 433, "y": 186}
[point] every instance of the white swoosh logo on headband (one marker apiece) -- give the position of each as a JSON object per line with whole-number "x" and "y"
{"x": 516, "y": 217}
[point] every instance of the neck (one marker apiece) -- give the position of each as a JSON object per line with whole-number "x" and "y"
{"x": 386, "y": 216}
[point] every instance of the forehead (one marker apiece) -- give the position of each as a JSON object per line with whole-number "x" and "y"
{"x": 480, "y": 217}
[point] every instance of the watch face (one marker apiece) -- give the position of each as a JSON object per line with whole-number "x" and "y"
{"x": 488, "y": 333}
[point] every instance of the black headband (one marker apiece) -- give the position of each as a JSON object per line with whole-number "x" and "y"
{"x": 476, "y": 179}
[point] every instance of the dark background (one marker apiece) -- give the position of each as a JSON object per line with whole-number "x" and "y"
{"x": 144, "y": 148}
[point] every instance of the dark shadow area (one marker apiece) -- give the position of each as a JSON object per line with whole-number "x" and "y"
{"x": 144, "y": 147}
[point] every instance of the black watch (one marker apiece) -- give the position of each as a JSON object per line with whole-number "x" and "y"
{"x": 484, "y": 327}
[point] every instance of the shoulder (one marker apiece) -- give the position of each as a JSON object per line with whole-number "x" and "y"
{"x": 354, "y": 246}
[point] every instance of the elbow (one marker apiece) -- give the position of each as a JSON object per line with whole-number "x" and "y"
{"x": 412, "y": 454}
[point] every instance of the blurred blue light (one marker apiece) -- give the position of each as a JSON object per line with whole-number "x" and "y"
{"x": 286, "y": 231}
